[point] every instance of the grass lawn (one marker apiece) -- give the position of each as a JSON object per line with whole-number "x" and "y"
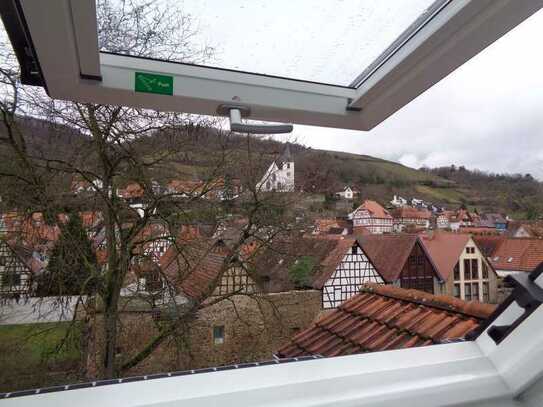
{"x": 30, "y": 355}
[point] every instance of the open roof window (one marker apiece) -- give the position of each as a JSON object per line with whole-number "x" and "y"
{"x": 327, "y": 42}
{"x": 344, "y": 64}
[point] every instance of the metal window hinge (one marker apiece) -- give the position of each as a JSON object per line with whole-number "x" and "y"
{"x": 236, "y": 112}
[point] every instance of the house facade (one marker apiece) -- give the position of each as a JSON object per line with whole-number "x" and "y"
{"x": 442, "y": 221}
{"x": 464, "y": 269}
{"x": 15, "y": 274}
{"x": 337, "y": 266}
{"x": 494, "y": 221}
{"x": 397, "y": 201}
{"x": 350, "y": 273}
{"x": 347, "y": 193}
{"x": 532, "y": 229}
{"x": 407, "y": 217}
{"x": 279, "y": 176}
{"x": 402, "y": 261}
{"x": 372, "y": 217}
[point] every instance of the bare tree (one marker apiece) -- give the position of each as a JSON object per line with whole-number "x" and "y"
{"x": 119, "y": 145}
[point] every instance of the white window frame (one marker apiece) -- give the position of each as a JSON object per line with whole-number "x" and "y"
{"x": 457, "y": 31}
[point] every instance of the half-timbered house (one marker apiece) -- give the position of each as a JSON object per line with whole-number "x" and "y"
{"x": 350, "y": 268}
{"x": 372, "y": 217}
{"x": 15, "y": 273}
{"x": 407, "y": 217}
{"x": 336, "y": 265}
{"x": 199, "y": 271}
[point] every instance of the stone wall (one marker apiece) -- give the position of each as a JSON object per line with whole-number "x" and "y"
{"x": 254, "y": 327}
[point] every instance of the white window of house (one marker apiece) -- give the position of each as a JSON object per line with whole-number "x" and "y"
{"x": 218, "y": 335}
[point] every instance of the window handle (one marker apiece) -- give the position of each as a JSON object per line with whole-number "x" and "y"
{"x": 236, "y": 112}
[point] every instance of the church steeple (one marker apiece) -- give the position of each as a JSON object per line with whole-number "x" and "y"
{"x": 286, "y": 156}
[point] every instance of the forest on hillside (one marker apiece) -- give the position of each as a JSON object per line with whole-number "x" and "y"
{"x": 317, "y": 171}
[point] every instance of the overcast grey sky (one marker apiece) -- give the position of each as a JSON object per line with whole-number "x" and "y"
{"x": 488, "y": 114}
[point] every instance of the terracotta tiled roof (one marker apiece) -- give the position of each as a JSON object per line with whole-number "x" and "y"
{"x": 193, "y": 268}
{"x": 491, "y": 219}
{"x": 408, "y": 212}
{"x": 384, "y": 318}
{"x": 388, "y": 253}
{"x": 518, "y": 254}
{"x": 445, "y": 249}
{"x": 331, "y": 225}
{"x": 488, "y": 244}
{"x": 479, "y": 231}
{"x": 272, "y": 264}
{"x": 185, "y": 186}
{"x": 132, "y": 190}
{"x": 376, "y": 210}
{"x": 534, "y": 228}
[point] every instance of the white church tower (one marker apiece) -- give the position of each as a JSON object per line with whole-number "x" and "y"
{"x": 280, "y": 175}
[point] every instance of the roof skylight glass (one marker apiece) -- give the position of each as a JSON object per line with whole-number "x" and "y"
{"x": 330, "y": 41}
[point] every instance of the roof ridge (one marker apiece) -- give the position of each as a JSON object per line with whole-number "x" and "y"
{"x": 445, "y": 303}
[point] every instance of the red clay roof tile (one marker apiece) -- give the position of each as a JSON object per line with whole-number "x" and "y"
{"x": 445, "y": 249}
{"x": 387, "y": 317}
{"x": 518, "y": 254}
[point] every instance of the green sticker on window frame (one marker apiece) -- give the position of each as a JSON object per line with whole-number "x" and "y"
{"x": 153, "y": 83}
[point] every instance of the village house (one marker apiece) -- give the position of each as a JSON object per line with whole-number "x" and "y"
{"x": 10, "y": 222}
{"x": 372, "y": 217}
{"x": 402, "y": 260}
{"x": 239, "y": 320}
{"x": 479, "y": 231}
{"x": 332, "y": 226}
{"x": 467, "y": 218}
{"x": 217, "y": 189}
{"x": 27, "y": 244}
{"x": 16, "y": 269}
{"x": 532, "y": 229}
{"x": 407, "y": 218}
{"x": 153, "y": 241}
{"x": 442, "y": 220}
{"x": 493, "y": 221}
{"x": 464, "y": 269}
{"x": 336, "y": 266}
{"x": 279, "y": 176}
{"x": 418, "y": 203}
{"x": 398, "y": 201}
{"x": 384, "y": 318}
{"x": 517, "y": 256}
{"x": 347, "y": 193}
{"x": 84, "y": 186}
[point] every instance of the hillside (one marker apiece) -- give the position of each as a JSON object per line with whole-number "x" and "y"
{"x": 316, "y": 171}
